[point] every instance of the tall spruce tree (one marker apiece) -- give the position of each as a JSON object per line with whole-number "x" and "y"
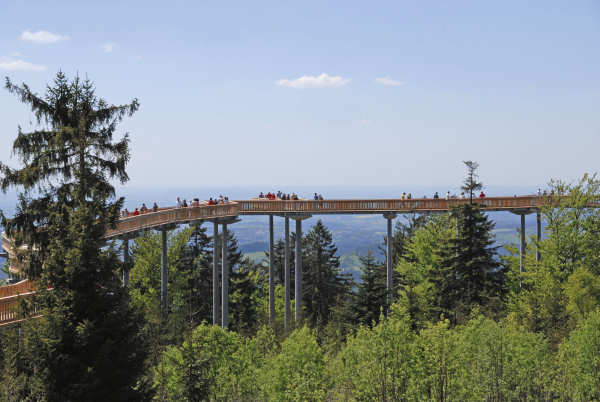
{"x": 469, "y": 274}
{"x": 86, "y": 345}
{"x": 323, "y": 280}
{"x": 196, "y": 265}
{"x": 371, "y": 294}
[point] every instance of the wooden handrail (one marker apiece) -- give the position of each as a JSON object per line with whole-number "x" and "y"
{"x": 385, "y": 205}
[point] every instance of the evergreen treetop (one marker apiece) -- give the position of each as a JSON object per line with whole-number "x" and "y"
{"x": 470, "y": 184}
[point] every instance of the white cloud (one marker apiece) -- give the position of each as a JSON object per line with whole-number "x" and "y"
{"x": 20, "y": 65}
{"x": 108, "y": 47}
{"x": 42, "y": 37}
{"x": 389, "y": 82}
{"x": 312, "y": 81}
{"x": 365, "y": 122}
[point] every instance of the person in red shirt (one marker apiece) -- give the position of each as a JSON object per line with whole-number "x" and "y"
{"x": 136, "y": 212}
{"x": 481, "y": 195}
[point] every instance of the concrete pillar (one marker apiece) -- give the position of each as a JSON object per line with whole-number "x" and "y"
{"x": 538, "y": 255}
{"x": 125, "y": 262}
{"x": 271, "y": 274}
{"x": 523, "y": 244}
{"x": 287, "y": 313}
{"x": 389, "y": 262}
{"x": 224, "y": 281}
{"x": 164, "y": 276}
{"x": 298, "y": 269}
{"x": 215, "y": 274}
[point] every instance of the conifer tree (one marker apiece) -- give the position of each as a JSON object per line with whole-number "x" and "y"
{"x": 323, "y": 280}
{"x": 371, "y": 295}
{"x": 278, "y": 261}
{"x": 469, "y": 273}
{"x": 196, "y": 265}
{"x": 86, "y": 345}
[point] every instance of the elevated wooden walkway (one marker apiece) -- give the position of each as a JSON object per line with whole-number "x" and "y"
{"x": 168, "y": 216}
{"x": 164, "y": 218}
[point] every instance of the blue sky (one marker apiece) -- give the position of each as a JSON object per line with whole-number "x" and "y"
{"x": 394, "y": 93}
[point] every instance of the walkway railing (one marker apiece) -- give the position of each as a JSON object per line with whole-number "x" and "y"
{"x": 9, "y": 312}
{"x": 257, "y": 207}
{"x": 172, "y": 216}
{"x": 25, "y": 286}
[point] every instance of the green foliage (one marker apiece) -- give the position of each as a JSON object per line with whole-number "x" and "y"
{"x": 371, "y": 294}
{"x": 417, "y": 293}
{"x": 145, "y": 277}
{"x": 471, "y": 185}
{"x": 578, "y": 362}
{"x": 323, "y": 281}
{"x": 572, "y": 227}
{"x": 298, "y": 372}
{"x": 377, "y": 364}
{"x": 582, "y": 291}
{"x": 436, "y": 370}
{"x": 191, "y": 372}
{"x": 497, "y": 362}
{"x": 469, "y": 274}
{"x": 89, "y": 337}
{"x": 562, "y": 289}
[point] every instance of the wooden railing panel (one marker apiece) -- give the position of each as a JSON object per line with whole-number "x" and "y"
{"x": 172, "y": 216}
{"x": 9, "y": 308}
{"x": 22, "y": 287}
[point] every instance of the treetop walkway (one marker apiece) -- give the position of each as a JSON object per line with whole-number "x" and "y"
{"x": 223, "y": 214}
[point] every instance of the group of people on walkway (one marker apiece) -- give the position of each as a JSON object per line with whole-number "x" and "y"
{"x": 217, "y": 200}
{"x": 137, "y": 211}
{"x": 278, "y": 196}
{"x": 449, "y": 196}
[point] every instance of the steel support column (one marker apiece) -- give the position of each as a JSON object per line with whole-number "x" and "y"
{"x": 271, "y": 274}
{"x": 298, "y": 271}
{"x": 287, "y": 314}
{"x": 389, "y": 262}
{"x": 164, "y": 276}
{"x": 538, "y": 255}
{"x": 215, "y": 275}
{"x": 523, "y": 245}
{"x": 125, "y": 261}
{"x": 224, "y": 280}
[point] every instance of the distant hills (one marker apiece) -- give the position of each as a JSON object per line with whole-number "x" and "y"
{"x": 353, "y": 234}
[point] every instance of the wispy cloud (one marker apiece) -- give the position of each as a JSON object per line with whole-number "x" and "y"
{"x": 365, "y": 122}
{"x": 389, "y": 82}
{"x": 108, "y": 47}
{"x": 42, "y": 37}
{"x": 20, "y": 65}
{"x": 314, "y": 81}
